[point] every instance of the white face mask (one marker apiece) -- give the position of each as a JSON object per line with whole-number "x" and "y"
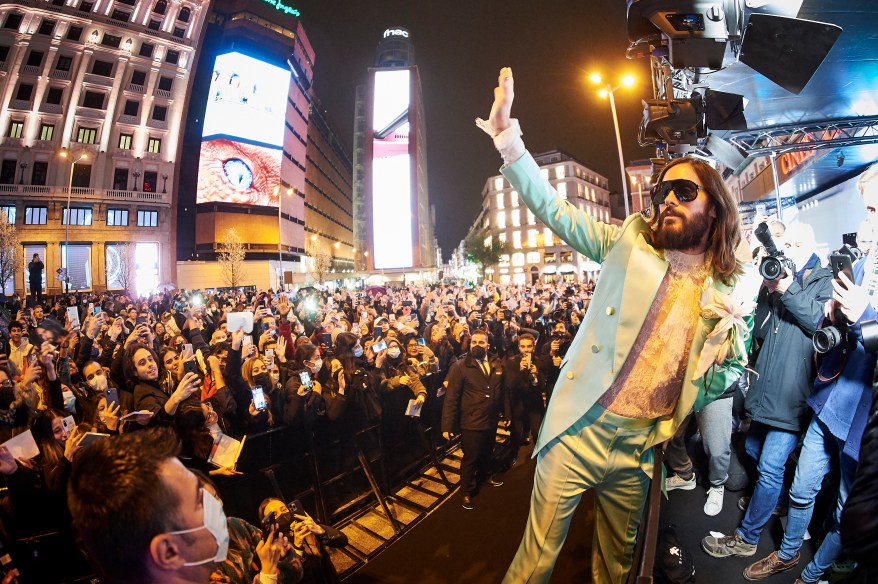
{"x": 69, "y": 400}
{"x": 275, "y": 377}
{"x": 98, "y": 383}
{"x": 393, "y": 352}
{"x": 318, "y": 363}
{"x": 215, "y": 523}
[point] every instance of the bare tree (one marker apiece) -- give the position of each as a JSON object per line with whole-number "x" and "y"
{"x": 231, "y": 258}
{"x": 11, "y": 251}
{"x": 122, "y": 266}
{"x": 322, "y": 265}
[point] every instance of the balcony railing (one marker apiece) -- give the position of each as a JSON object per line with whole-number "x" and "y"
{"x": 98, "y": 80}
{"x": 163, "y": 93}
{"x": 89, "y": 112}
{"x": 159, "y": 125}
{"x": 22, "y": 104}
{"x": 126, "y": 119}
{"x": 30, "y": 69}
{"x": 59, "y": 74}
{"x": 51, "y": 108}
{"x": 135, "y": 88}
{"x": 84, "y": 194}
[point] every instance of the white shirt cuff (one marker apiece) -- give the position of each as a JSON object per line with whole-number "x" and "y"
{"x": 508, "y": 142}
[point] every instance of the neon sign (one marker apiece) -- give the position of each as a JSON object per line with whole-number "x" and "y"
{"x": 394, "y": 32}
{"x": 281, "y": 7}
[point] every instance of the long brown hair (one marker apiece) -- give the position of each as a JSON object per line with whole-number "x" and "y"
{"x": 725, "y": 233}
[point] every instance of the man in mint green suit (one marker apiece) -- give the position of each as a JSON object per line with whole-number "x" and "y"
{"x": 665, "y": 333}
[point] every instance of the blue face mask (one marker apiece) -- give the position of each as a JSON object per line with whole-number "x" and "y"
{"x": 358, "y": 351}
{"x": 69, "y": 401}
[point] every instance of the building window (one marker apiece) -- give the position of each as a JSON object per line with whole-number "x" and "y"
{"x": 64, "y": 63}
{"x": 120, "y": 15}
{"x": 560, "y": 171}
{"x": 46, "y": 27}
{"x": 35, "y": 215}
{"x": 531, "y": 220}
{"x": 561, "y": 187}
{"x": 488, "y": 241}
{"x": 14, "y": 21}
{"x": 35, "y": 58}
{"x": 154, "y": 25}
{"x": 160, "y": 7}
{"x": 502, "y": 237}
{"x": 7, "y": 172}
{"x": 498, "y": 183}
{"x": 9, "y": 211}
{"x": 150, "y": 179}
{"x": 93, "y": 99}
{"x": 110, "y": 40}
{"x": 154, "y": 145}
{"x": 125, "y": 141}
{"x": 533, "y": 238}
{"x": 86, "y": 135}
{"x": 47, "y": 131}
{"x": 159, "y": 113}
{"x": 147, "y": 218}
{"x": 184, "y": 14}
{"x": 138, "y": 78}
{"x": 16, "y": 128}
{"x": 566, "y": 257}
{"x": 179, "y": 32}
{"x": 131, "y": 107}
{"x": 548, "y": 237}
{"x": 79, "y": 270}
{"x": 4, "y": 52}
{"x": 500, "y": 202}
{"x": 117, "y": 217}
{"x": 146, "y": 49}
{"x": 513, "y": 197}
{"x": 516, "y": 239}
{"x": 172, "y": 57}
{"x": 120, "y": 180}
{"x": 82, "y": 175}
{"x": 549, "y": 258}
{"x": 102, "y": 68}
{"x": 516, "y": 217}
{"x": 74, "y": 33}
{"x": 165, "y": 83}
{"x": 54, "y": 95}
{"x": 533, "y": 257}
{"x": 25, "y": 90}
{"x": 86, "y": 6}
{"x": 501, "y": 219}
{"x": 40, "y": 172}
{"x": 518, "y": 259}
{"x": 78, "y": 216}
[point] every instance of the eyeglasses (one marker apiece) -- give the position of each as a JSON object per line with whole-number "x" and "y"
{"x": 685, "y": 190}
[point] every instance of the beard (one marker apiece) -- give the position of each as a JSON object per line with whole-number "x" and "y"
{"x": 685, "y": 233}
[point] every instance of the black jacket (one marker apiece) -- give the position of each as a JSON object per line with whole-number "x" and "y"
{"x": 784, "y": 325}
{"x": 859, "y": 523}
{"x": 474, "y": 401}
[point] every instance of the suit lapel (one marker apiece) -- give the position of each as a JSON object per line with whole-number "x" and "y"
{"x": 643, "y": 276}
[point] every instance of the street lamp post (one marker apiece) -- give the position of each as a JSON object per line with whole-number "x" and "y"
{"x": 67, "y": 222}
{"x": 608, "y": 91}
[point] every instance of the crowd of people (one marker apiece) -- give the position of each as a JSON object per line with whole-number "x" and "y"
{"x": 89, "y": 373}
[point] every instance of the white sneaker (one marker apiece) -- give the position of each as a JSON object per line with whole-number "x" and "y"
{"x": 714, "y": 500}
{"x": 675, "y": 482}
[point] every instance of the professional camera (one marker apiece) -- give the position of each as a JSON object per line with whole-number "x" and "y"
{"x": 775, "y": 264}
{"x": 828, "y": 337}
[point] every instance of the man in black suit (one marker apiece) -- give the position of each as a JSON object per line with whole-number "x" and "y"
{"x": 473, "y": 404}
{"x": 524, "y": 382}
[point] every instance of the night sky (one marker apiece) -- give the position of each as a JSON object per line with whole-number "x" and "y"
{"x": 459, "y": 49}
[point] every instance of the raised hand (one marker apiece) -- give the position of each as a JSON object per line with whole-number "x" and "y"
{"x": 502, "y": 107}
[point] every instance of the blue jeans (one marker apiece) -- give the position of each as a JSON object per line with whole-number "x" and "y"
{"x": 817, "y": 451}
{"x": 770, "y": 448}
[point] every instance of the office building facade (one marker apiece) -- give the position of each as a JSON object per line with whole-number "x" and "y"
{"x": 92, "y": 97}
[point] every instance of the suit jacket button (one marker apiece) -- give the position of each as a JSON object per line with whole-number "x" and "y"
{"x": 570, "y": 375}
{"x": 595, "y": 349}
{"x": 610, "y": 311}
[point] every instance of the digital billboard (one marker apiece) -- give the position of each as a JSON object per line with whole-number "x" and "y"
{"x": 242, "y": 139}
{"x": 391, "y": 171}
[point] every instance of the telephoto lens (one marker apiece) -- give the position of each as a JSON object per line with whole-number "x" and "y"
{"x": 869, "y": 330}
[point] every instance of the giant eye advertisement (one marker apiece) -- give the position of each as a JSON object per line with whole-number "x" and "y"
{"x": 242, "y": 140}
{"x": 391, "y": 171}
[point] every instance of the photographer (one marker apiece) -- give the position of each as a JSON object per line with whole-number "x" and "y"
{"x": 524, "y": 382}
{"x": 789, "y": 309}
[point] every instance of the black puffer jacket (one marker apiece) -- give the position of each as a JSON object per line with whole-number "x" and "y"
{"x": 784, "y": 325}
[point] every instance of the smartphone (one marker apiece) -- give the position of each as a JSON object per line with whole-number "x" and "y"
{"x": 112, "y": 395}
{"x": 247, "y": 340}
{"x": 841, "y": 264}
{"x": 296, "y": 508}
{"x": 269, "y": 357}
{"x": 421, "y": 341}
{"x": 96, "y": 310}
{"x": 32, "y": 359}
{"x": 305, "y": 377}
{"x": 380, "y": 346}
{"x": 268, "y": 522}
{"x": 187, "y": 350}
{"x": 258, "y": 398}
{"x": 406, "y": 302}
{"x": 141, "y": 320}
{"x": 377, "y": 333}
{"x": 264, "y": 326}
{"x": 91, "y": 438}
{"x": 326, "y": 339}
{"x": 68, "y": 424}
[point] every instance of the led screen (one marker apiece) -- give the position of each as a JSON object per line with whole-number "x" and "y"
{"x": 391, "y": 172}
{"x": 243, "y": 134}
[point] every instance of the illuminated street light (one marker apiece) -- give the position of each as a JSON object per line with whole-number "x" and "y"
{"x": 280, "y": 256}
{"x": 65, "y": 155}
{"x": 608, "y": 91}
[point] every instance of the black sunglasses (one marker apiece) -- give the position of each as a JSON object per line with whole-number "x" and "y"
{"x": 685, "y": 190}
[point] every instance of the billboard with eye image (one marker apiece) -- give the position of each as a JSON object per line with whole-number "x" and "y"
{"x": 242, "y": 139}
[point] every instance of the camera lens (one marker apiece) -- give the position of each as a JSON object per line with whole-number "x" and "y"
{"x": 826, "y": 339}
{"x": 770, "y": 268}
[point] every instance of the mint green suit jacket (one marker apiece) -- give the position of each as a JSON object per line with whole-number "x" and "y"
{"x": 631, "y": 272}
